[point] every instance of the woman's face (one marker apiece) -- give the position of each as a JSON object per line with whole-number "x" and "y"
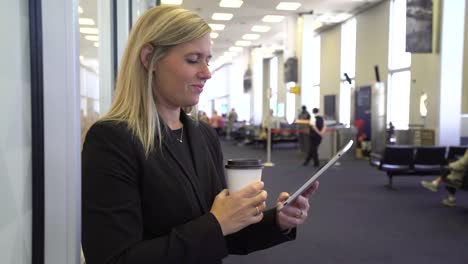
{"x": 181, "y": 74}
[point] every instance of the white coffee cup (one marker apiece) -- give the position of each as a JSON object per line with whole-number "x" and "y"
{"x": 242, "y": 172}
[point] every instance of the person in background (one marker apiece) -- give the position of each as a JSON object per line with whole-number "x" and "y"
{"x": 303, "y": 137}
{"x": 232, "y": 119}
{"x": 203, "y": 117}
{"x": 153, "y": 186}
{"x": 214, "y": 122}
{"x": 455, "y": 174}
{"x": 317, "y": 130}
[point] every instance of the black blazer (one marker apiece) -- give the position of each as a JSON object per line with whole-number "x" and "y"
{"x": 157, "y": 209}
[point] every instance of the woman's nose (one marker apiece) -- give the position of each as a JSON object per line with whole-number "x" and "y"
{"x": 204, "y": 72}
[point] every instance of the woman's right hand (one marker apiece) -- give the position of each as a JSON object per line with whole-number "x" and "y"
{"x": 234, "y": 211}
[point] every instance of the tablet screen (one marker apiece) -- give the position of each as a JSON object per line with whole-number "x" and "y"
{"x": 311, "y": 180}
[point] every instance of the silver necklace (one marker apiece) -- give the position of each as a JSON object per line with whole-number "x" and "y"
{"x": 181, "y": 135}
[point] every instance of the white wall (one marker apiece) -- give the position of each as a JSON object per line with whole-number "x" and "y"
{"x": 15, "y": 135}
{"x": 425, "y": 77}
{"x": 451, "y": 65}
{"x": 372, "y": 43}
{"x": 330, "y": 65}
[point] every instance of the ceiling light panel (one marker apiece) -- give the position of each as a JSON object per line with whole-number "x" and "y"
{"x": 80, "y": 10}
{"x": 217, "y": 26}
{"x": 272, "y": 18}
{"x": 243, "y": 43}
{"x": 231, "y": 3}
{"x": 92, "y": 37}
{"x": 261, "y": 28}
{"x": 251, "y": 36}
{"x": 222, "y": 16}
{"x": 89, "y": 30}
{"x": 289, "y": 6}
{"x": 86, "y": 21}
{"x": 171, "y": 2}
{"x": 214, "y": 35}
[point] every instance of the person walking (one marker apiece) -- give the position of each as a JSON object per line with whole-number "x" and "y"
{"x": 316, "y": 131}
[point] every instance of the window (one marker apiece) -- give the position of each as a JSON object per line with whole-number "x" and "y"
{"x": 96, "y": 68}
{"x": 348, "y": 66}
{"x": 310, "y": 90}
{"x": 399, "y": 74}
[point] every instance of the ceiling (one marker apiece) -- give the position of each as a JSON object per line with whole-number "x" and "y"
{"x": 249, "y": 14}
{"x": 252, "y": 12}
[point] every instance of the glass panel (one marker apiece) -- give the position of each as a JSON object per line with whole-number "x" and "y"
{"x": 274, "y": 85}
{"x": 15, "y": 135}
{"x": 310, "y": 74}
{"x": 348, "y": 49}
{"x": 290, "y": 107}
{"x": 345, "y": 103}
{"x": 315, "y": 61}
{"x": 398, "y": 99}
{"x": 96, "y": 69}
{"x": 399, "y": 58}
{"x": 311, "y": 97}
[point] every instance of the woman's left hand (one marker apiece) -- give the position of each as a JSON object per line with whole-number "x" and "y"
{"x": 296, "y": 212}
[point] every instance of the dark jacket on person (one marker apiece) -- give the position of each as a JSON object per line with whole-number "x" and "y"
{"x": 319, "y": 123}
{"x": 157, "y": 209}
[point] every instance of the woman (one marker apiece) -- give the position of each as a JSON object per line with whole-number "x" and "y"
{"x": 153, "y": 177}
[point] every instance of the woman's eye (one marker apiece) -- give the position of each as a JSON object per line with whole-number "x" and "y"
{"x": 191, "y": 61}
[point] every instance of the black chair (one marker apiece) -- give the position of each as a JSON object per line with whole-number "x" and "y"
{"x": 430, "y": 160}
{"x": 396, "y": 160}
{"x": 455, "y": 152}
{"x": 375, "y": 159}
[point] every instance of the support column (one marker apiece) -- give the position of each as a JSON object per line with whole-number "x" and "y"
{"x": 451, "y": 74}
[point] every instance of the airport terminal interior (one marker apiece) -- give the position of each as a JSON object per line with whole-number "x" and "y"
{"x": 391, "y": 75}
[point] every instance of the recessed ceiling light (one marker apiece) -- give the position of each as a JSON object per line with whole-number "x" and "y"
{"x": 214, "y": 35}
{"x": 290, "y": 6}
{"x": 222, "y": 16}
{"x": 251, "y": 36}
{"x": 80, "y": 10}
{"x": 243, "y": 43}
{"x": 81, "y": 57}
{"x": 96, "y": 44}
{"x": 86, "y": 21}
{"x": 89, "y": 30}
{"x": 272, "y": 18}
{"x": 92, "y": 37}
{"x": 261, "y": 28}
{"x": 217, "y": 26}
{"x": 231, "y": 3}
{"x": 236, "y": 49}
{"x": 171, "y": 2}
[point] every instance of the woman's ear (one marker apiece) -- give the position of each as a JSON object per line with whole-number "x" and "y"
{"x": 145, "y": 54}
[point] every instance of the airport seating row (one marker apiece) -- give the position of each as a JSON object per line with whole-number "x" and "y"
{"x": 407, "y": 160}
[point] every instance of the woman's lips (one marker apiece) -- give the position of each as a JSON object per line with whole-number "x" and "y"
{"x": 198, "y": 87}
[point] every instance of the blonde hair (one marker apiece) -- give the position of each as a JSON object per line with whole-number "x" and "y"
{"x": 134, "y": 102}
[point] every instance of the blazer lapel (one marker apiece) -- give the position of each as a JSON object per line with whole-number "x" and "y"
{"x": 193, "y": 135}
{"x": 198, "y": 146}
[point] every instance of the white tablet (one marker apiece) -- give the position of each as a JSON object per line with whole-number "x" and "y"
{"x": 311, "y": 180}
